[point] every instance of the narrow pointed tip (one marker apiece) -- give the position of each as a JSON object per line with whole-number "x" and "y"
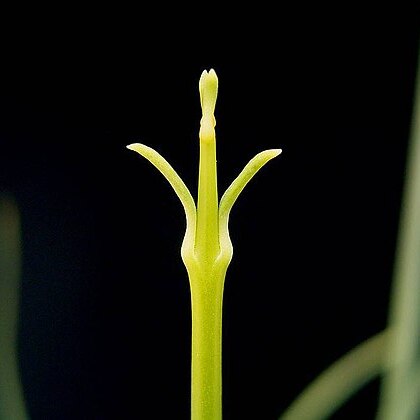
{"x": 212, "y": 77}
{"x": 138, "y": 147}
{"x": 202, "y": 77}
{"x": 269, "y": 154}
{"x": 272, "y": 153}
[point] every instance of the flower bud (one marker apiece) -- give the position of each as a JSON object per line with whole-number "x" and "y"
{"x": 208, "y": 94}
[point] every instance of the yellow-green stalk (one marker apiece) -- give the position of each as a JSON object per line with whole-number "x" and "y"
{"x": 206, "y": 251}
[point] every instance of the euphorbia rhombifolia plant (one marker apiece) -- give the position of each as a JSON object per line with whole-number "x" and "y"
{"x": 206, "y": 251}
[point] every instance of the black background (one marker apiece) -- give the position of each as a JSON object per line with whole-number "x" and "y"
{"x": 105, "y": 314}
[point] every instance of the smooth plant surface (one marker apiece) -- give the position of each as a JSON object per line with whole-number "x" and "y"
{"x": 206, "y": 250}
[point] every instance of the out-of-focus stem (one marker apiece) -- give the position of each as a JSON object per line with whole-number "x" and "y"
{"x": 340, "y": 381}
{"x": 404, "y": 317}
{"x": 12, "y": 404}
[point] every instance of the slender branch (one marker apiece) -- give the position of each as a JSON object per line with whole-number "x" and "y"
{"x": 181, "y": 190}
{"x": 170, "y": 174}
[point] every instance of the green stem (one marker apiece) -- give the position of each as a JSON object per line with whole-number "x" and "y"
{"x": 206, "y": 369}
{"x": 207, "y": 233}
{"x": 206, "y": 276}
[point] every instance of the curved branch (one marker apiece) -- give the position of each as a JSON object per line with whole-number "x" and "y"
{"x": 341, "y": 380}
{"x": 176, "y": 182}
{"x": 231, "y": 194}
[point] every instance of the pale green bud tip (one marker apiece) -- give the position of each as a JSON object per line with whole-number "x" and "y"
{"x": 208, "y": 92}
